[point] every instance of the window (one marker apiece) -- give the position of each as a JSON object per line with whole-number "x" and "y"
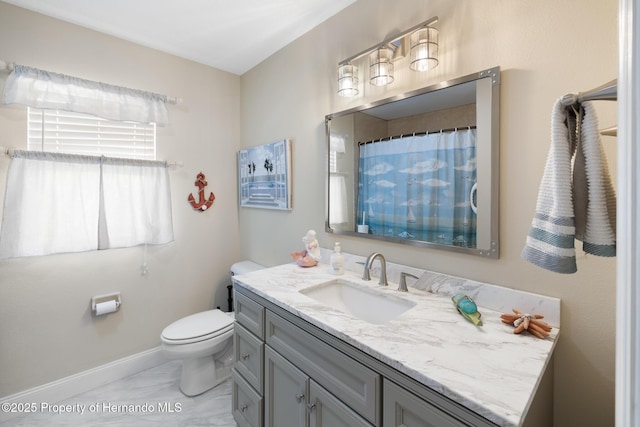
{"x": 77, "y": 133}
{"x": 337, "y": 182}
{"x": 96, "y": 165}
{"x": 333, "y": 161}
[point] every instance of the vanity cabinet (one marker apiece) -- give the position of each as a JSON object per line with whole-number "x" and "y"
{"x": 248, "y": 370}
{"x": 306, "y": 377}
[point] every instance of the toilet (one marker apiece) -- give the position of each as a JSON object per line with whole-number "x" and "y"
{"x": 204, "y": 343}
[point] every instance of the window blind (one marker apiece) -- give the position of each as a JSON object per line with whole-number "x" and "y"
{"x": 77, "y": 133}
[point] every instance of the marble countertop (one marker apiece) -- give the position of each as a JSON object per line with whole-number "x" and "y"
{"x": 488, "y": 369}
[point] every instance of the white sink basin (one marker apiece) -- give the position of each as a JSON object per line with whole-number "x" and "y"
{"x": 359, "y": 301}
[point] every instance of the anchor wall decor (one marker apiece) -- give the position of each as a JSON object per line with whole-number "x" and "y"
{"x": 202, "y": 204}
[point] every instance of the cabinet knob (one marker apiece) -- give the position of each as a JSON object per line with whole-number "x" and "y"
{"x": 299, "y": 397}
{"x": 243, "y": 408}
{"x": 245, "y": 356}
{"x": 311, "y": 406}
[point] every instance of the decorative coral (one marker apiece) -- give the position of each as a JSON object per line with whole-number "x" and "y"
{"x": 526, "y": 321}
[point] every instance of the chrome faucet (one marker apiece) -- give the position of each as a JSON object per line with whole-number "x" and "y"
{"x": 383, "y": 268}
{"x": 402, "y": 286}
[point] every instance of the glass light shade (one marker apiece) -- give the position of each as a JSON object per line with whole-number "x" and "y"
{"x": 347, "y": 80}
{"x": 381, "y": 66}
{"x": 424, "y": 49}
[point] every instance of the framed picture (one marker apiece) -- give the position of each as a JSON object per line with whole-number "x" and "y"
{"x": 264, "y": 176}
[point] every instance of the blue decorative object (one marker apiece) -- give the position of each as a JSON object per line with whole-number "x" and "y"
{"x": 468, "y": 308}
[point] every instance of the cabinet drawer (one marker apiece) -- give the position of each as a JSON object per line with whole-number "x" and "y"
{"x": 247, "y": 405}
{"x": 402, "y": 408}
{"x": 249, "y": 353}
{"x": 350, "y": 381}
{"x": 250, "y": 314}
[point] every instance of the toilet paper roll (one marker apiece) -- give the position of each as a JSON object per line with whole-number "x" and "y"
{"x": 106, "y": 307}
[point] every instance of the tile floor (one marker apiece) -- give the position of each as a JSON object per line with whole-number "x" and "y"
{"x": 149, "y": 398}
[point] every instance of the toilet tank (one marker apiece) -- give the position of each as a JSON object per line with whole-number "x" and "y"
{"x": 241, "y": 268}
{"x": 245, "y": 267}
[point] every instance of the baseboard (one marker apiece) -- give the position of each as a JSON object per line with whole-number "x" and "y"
{"x": 81, "y": 382}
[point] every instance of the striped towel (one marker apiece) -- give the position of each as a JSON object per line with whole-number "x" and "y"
{"x": 573, "y": 203}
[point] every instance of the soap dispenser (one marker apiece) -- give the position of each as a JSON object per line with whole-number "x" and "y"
{"x": 337, "y": 260}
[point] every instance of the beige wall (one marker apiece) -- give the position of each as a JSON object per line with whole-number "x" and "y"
{"x": 46, "y": 329}
{"x": 545, "y": 50}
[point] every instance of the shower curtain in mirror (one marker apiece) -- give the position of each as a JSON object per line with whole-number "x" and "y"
{"x": 418, "y": 187}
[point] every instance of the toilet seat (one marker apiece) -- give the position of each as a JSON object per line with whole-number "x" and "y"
{"x": 198, "y": 327}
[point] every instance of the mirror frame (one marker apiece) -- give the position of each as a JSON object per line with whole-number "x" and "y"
{"x": 488, "y": 163}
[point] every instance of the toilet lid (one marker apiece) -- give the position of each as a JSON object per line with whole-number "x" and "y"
{"x": 199, "y": 325}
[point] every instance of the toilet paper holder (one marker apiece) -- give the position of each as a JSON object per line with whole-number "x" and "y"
{"x": 100, "y": 299}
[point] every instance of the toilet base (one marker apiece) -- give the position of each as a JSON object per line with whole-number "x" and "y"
{"x": 205, "y": 363}
{"x": 201, "y": 374}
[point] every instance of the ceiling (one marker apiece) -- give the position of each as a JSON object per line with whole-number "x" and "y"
{"x": 231, "y": 35}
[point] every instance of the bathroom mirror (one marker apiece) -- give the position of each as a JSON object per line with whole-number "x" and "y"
{"x": 419, "y": 168}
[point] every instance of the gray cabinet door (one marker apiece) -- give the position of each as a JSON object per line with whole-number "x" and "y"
{"x": 402, "y": 408}
{"x": 286, "y": 391}
{"x": 325, "y": 410}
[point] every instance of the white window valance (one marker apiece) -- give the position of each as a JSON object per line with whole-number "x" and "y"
{"x": 43, "y": 89}
{"x": 58, "y": 203}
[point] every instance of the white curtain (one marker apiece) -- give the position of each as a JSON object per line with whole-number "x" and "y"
{"x": 51, "y": 204}
{"x": 57, "y": 203}
{"x": 338, "y": 213}
{"x": 42, "y": 89}
{"x": 137, "y": 203}
{"x": 337, "y": 199}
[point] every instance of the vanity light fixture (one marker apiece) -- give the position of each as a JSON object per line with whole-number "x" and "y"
{"x": 424, "y": 49}
{"x": 381, "y": 66}
{"x": 347, "y": 80}
{"x": 422, "y": 43}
